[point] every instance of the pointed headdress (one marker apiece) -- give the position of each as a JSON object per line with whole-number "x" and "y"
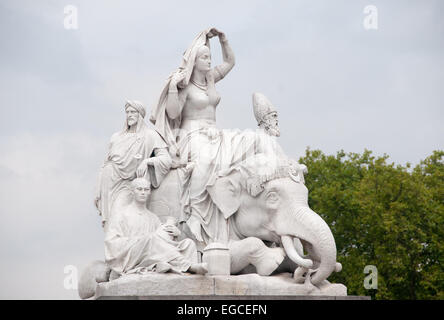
{"x": 261, "y": 107}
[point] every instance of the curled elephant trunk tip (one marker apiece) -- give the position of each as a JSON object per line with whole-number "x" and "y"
{"x": 338, "y": 267}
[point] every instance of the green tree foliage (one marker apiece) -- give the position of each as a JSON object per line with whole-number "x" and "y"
{"x": 382, "y": 214}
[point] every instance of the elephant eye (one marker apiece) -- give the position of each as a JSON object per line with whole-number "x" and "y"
{"x": 272, "y": 196}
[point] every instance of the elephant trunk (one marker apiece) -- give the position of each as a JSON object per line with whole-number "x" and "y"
{"x": 308, "y": 226}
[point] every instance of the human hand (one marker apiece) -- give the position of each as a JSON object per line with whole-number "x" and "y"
{"x": 171, "y": 230}
{"x": 178, "y": 77}
{"x": 212, "y": 133}
{"x": 176, "y": 163}
{"x": 214, "y": 32}
{"x": 176, "y": 232}
{"x": 298, "y": 167}
{"x": 190, "y": 166}
{"x": 141, "y": 169}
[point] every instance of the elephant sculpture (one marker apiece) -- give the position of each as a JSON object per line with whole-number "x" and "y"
{"x": 264, "y": 200}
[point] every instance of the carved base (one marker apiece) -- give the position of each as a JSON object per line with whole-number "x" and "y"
{"x": 174, "y": 286}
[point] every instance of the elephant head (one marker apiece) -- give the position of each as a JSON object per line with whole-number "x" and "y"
{"x": 267, "y": 200}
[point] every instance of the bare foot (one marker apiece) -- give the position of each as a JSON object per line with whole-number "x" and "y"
{"x": 199, "y": 268}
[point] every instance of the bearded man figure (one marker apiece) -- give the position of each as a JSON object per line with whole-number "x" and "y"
{"x": 135, "y": 151}
{"x": 265, "y": 114}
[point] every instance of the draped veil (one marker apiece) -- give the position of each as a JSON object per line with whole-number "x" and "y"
{"x": 163, "y": 124}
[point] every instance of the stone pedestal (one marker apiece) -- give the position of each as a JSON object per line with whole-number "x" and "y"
{"x": 249, "y": 286}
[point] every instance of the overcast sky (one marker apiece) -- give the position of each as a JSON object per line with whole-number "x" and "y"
{"x": 335, "y": 84}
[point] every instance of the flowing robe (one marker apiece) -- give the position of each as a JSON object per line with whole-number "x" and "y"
{"x": 212, "y": 151}
{"x": 126, "y": 152}
{"x": 136, "y": 243}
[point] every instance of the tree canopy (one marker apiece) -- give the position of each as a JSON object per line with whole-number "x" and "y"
{"x": 382, "y": 214}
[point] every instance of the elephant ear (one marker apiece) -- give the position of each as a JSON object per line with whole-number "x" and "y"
{"x": 225, "y": 193}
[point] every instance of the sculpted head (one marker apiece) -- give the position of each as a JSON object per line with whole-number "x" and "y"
{"x": 141, "y": 189}
{"x": 134, "y": 110}
{"x": 265, "y": 114}
{"x": 132, "y": 116}
{"x": 203, "y": 59}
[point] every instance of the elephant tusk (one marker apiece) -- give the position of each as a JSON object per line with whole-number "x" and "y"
{"x": 291, "y": 252}
{"x": 298, "y": 247}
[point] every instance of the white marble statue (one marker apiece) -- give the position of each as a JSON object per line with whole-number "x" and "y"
{"x": 235, "y": 190}
{"x": 137, "y": 242}
{"x": 132, "y": 152}
{"x": 185, "y": 118}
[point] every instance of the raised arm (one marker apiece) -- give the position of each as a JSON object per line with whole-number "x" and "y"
{"x": 176, "y": 98}
{"x": 221, "y": 70}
